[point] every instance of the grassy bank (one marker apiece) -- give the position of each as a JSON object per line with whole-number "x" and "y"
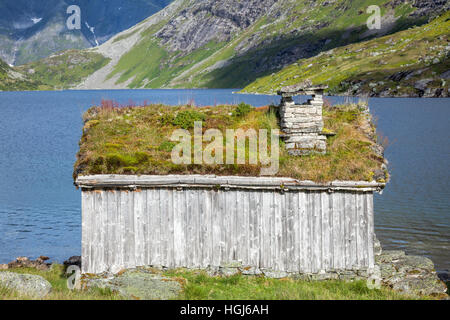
{"x": 58, "y": 280}
{"x": 199, "y": 286}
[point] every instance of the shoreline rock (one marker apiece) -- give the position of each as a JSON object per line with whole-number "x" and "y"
{"x": 24, "y": 262}
{"x": 26, "y": 284}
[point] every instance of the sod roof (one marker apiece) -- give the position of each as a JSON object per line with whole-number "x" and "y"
{"x": 136, "y": 141}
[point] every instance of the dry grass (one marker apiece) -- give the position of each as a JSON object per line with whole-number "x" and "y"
{"x": 136, "y": 140}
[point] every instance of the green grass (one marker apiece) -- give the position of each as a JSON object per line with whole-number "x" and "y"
{"x": 136, "y": 140}
{"x": 64, "y": 70}
{"x": 200, "y": 286}
{"x": 60, "y": 291}
{"x": 197, "y": 285}
{"x": 373, "y": 61}
{"x": 10, "y": 83}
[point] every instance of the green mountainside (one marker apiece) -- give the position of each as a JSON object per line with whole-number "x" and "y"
{"x": 414, "y": 62}
{"x": 230, "y": 43}
{"x": 11, "y": 80}
{"x": 64, "y": 70}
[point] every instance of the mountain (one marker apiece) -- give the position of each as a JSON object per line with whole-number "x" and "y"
{"x": 34, "y": 29}
{"x": 228, "y": 43}
{"x": 231, "y": 43}
{"x": 13, "y": 80}
{"x": 410, "y": 63}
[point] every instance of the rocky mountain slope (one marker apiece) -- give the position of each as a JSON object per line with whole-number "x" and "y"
{"x": 410, "y": 63}
{"x": 34, "y": 29}
{"x": 232, "y": 43}
{"x": 13, "y": 80}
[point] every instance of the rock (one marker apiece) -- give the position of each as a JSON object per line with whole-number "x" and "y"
{"x": 3, "y": 267}
{"x": 377, "y": 250}
{"x": 75, "y": 260}
{"x": 24, "y": 262}
{"x": 324, "y": 276}
{"x": 26, "y": 284}
{"x": 445, "y": 75}
{"x": 228, "y": 272}
{"x": 251, "y": 271}
{"x": 140, "y": 285}
{"x": 233, "y": 264}
{"x": 389, "y": 256}
{"x": 347, "y": 275}
{"x": 387, "y": 270}
{"x": 429, "y": 285}
{"x": 411, "y": 263}
{"x": 274, "y": 274}
{"x": 379, "y": 175}
{"x": 212, "y": 271}
{"x": 413, "y": 275}
{"x": 43, "y": 258}
{"x": 422, "y": 84}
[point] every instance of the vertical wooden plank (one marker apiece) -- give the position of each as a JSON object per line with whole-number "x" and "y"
{"x": 349, "y": 208}
{"x": 317, "y": 231}
{"x": 204, "y": 228}
{"x": 113, "y": 225}
{"x": 86, "y": 212}
{"x": 326, "y": 231}
{"x": 103, "y": 230}
{"x": 265, "y": 234}
{"x": 139, "y": 225}
{"x": 279, "y": 221}
{"x": 361, "y": 231}
{"x": 305, "y": 241}
{"x": 216, "y": 228}
{"x": 181, "y": 214}
{"x": 370, "y": 229}
{"x": 130, "y": 231}
{"x": 153, "y": 234}
{"x": 97, "y": 254}
{"x": 234, "y": 229}
{"x": 165, "y": 205}
{"x": 254, "y": 228}
{"x": 296, "y": 231}
{"x": 193, "y": 228}
{"x": 337, "y": 255}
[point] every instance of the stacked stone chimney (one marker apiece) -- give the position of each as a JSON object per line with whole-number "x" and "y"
{"x": 303, "y": 124}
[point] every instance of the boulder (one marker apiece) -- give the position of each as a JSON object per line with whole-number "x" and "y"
{"x": 428, "y": 285}
{"x": 413, "y": 275}
{"x": 26, "y": 284}
{"x": 139, "y": 285}
{"x": 73, "y": 261}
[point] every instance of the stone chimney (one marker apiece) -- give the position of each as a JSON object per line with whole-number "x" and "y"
{"x": 302, "y": 124}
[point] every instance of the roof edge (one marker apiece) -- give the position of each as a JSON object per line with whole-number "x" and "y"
{"x": 237, "y": 182}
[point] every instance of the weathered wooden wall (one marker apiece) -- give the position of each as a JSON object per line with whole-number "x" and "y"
{"x": 295, "y": 230}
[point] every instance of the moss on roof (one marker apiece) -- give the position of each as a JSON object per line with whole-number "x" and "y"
{"x": 136, "y": 140}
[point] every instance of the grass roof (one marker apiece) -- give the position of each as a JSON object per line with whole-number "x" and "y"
{"x": 136, "y": 140}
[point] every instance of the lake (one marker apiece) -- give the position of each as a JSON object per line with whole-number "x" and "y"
{"x": 40, "y": 209}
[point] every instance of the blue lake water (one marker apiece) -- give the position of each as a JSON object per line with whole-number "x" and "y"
{"x": 40, "y": 210}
